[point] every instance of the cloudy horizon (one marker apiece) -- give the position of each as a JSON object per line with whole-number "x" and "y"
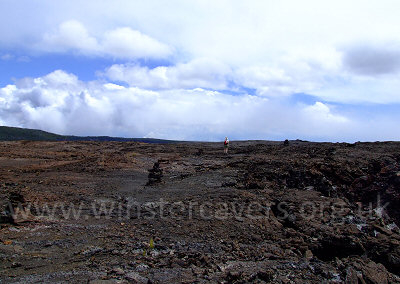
{"x": 202, "y": 70}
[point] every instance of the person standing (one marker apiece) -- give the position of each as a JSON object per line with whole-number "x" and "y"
{"x": 226, "y": 145}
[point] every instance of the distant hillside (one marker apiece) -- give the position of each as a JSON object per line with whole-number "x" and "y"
{"x": 16, "y": 133}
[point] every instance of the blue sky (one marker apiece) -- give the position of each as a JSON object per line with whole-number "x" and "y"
{"x": 202, "y": 70}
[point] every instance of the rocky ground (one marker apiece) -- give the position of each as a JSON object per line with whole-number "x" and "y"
{"x": 268, "y": 212}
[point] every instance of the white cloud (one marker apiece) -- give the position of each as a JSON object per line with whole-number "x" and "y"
{"x": 61, "y": 103}
{"x": 122, "y": 43}
{"x": 111, "y": 86}
{"x": 70, "y": 35}
{"x": 251, "y": 32}
{"x": 322, "y": 111}
{"x": 275, "y": 47}
{"x": 268, "y": 81}
{"x": 339, "y": 51}
{"x": 199, "y": 73}
{"x": 133, "y": 44}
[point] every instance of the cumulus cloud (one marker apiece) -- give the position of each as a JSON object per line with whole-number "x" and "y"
{"x": 267, "y": 81}
{"x": 123, "y": 43}
{"x": 271, "y": 49}
{"x": 133, "y": 44}
{"x": 274, "y": 48}
{"x": 71, "y": 35}
{"x": 373, "y": 59}
{"x": 61, "y": 103}
{"x": 198, "y": 73}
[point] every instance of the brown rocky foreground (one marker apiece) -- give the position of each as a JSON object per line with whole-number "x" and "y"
{"x": 268, "y": 212}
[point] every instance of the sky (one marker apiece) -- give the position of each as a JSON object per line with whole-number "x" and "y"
{"x": 202, "y": 70}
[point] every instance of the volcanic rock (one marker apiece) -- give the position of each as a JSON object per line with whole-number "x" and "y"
{"x": 155, "y": 174}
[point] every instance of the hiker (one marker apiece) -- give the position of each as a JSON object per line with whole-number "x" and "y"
{"x": 226, "y": 145}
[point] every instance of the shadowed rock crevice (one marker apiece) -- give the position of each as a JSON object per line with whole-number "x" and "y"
{"x": 332, "y": 247}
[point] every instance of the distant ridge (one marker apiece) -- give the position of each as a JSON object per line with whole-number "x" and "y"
{"x": 15, "y": 133}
